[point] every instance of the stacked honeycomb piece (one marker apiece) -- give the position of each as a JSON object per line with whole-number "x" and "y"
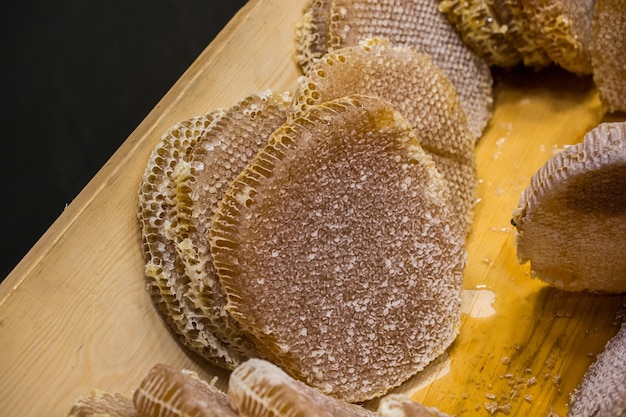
{"x": 322, "y": 236}
{"x": 465, "y": 37}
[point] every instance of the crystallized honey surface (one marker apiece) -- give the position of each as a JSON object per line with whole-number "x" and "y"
{"x": 571, "y": 220}
{"x": 419, "y": 90}
{"x": 338, "y": 253}
{"x": 419, "y": 25}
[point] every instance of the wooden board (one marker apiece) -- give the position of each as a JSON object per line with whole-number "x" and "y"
{"x": 74, "y": 314}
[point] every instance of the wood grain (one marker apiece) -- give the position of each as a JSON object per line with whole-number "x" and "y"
{"x": 74, "y": 314}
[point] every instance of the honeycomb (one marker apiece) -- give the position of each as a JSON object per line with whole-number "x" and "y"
{"x": 396, "y": 405}
{"x": 337, "y": 251}
{"x": 167, "y": 281}
{"x": 481, "y": 30}
{"x": 199, "y": 157}
{"x": 564, "y": 31}
{"x": 520, "y": 32}
{"x": 258, "y": 388}
{"x": 602, "y": 391}
{"x": 223, "y": 152}
{"x": 169, "y": 392}
{"x": 103, "y": 404}
{"x": 419, "y": 25}
{"x": 578, "y": 197}
{"x": 312, "y": 33}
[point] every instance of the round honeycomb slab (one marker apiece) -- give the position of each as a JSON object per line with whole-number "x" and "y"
{"x": 337, "y": 252}
{"x": 416, "y": 87}
{"x": 571, "y": 220}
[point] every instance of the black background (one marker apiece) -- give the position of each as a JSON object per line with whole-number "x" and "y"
{"x": 77, "y": 78}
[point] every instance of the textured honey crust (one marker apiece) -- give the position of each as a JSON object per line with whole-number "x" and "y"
{"x": 165, "y": 274}
{"x": 571, "y": 220}
{"x": 602, "y": 391}
{"x": 103, "y": 404}
{"x": 312, "y": 33}
{"x": 258, "y": 388}
{"x": 396, "y": 405}
{"x": 217, "y": 158}
{"x": 607, "y": 53}
{"x": 481, "y": 30}
{"x": 520, "y": 33}
{"x": 167, "y": 391}
{"x": 336, "y": 250}
{"x": 416, "y": 87}
{"x": 564, "y": 31}
{"x": 421, "y": 26}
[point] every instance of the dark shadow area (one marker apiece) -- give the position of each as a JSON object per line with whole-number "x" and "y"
{"x": 555, "y": 81}
{"x": 77, "y": 78}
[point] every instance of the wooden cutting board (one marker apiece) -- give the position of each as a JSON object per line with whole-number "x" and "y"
{"x": 74, "y": 314}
